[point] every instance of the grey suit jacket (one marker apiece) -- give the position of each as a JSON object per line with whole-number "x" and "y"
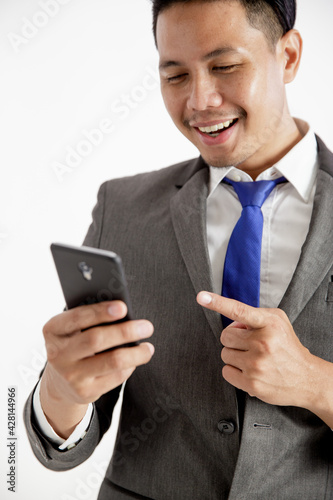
{"x": 179, "y": 435}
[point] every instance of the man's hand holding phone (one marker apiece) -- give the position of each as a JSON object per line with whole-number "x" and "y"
{"x": 78, "y": 372}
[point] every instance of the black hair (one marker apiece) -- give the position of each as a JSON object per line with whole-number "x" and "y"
{"x": 273, "y": 17}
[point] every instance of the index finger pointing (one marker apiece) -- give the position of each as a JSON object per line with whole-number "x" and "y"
{"x": 233, "y": 309}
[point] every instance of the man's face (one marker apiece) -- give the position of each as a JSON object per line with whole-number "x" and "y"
{"x": 222, "y": 84}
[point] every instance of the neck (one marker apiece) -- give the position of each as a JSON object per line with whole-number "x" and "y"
{"x": 273, "y": 152}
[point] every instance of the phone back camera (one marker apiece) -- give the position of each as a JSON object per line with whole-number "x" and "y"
{"x": 85, "y": 270}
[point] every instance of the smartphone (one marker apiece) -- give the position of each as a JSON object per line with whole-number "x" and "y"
{"x": 90, "y": 275}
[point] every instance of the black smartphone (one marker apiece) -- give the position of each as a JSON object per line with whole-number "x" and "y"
{"x": 90, "y": 275}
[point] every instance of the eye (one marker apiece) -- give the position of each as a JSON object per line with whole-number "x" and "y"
{"x": 225, "y": 69}
{"x": 176, "y": 78}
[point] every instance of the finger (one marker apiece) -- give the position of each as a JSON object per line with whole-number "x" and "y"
{"x": 234, "y": 376}
{"x": 100, "y": 338}
{"x": 236, "y": 338}
{"x": 233, "y": 357}
{"x": 119, "y": 360}
{"x": 82, "y": 317}
{"x": 104, "y": 385}
{"x": 89, "y": 390}
{"x": 236, "y": 324}
{"x": 237, "y": 311}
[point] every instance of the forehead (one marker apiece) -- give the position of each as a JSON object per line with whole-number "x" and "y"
{"x": 197, "y": 28}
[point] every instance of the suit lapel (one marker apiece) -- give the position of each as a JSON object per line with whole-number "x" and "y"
{"x": 316, "y": 256}
{"x": 188, "y": 212}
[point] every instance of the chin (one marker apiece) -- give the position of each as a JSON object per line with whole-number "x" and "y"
{"x": 224, "y": 161}
{"x": 217, "y": 162}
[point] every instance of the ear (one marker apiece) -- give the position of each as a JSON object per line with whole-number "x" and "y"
{"x": 291, "y": 51}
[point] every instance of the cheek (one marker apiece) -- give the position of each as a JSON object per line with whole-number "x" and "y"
{"x": 268, "y": 91}
{"x": 260, "y": 97}
{"x": 243, "y": 93}
{"x": 253, "y": 91}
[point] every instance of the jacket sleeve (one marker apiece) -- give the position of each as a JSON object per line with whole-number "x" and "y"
{"x": 93, "y": 237}
{"x": 50, "y": 456}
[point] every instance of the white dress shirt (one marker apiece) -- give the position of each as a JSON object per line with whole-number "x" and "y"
{"x": 287, "y": 213}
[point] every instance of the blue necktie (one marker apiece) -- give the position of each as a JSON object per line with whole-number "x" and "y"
{"x": 241, "y": 276}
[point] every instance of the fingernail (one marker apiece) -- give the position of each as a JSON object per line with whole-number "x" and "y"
{"x": 144, "y": 329}
{"x": 115, "y": 309}
{"x": 151, "y": 348}
{"x": 205, "y": 298}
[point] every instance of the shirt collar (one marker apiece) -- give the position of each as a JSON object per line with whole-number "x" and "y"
{"x": 299, "y": 166}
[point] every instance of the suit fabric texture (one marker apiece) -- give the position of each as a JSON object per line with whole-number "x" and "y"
{"x": 179, "y": 436}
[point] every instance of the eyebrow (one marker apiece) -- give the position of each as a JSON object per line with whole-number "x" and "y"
{"x": 215, "y": 53}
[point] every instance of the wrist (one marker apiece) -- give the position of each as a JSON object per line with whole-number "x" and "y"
{"x": 61, "y": 412}
{"x": 319, "y": 389}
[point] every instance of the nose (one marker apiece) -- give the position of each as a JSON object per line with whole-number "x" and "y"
{"x": 203, "y": 94}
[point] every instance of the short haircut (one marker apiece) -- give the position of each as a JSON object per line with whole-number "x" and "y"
{"x": 273, "y": 17}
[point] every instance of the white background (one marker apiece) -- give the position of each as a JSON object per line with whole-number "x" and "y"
{"x": 71, "y": 74}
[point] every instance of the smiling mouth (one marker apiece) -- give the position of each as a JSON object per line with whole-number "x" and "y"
{"x": 216, "y": 130}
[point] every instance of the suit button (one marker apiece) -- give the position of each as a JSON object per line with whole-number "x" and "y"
{"x": 226, "y": 427}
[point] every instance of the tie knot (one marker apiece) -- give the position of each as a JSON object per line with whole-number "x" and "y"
{"x": 254, "y": 193}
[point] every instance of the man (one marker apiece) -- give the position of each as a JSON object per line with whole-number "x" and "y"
{"x": 262, "y": 428}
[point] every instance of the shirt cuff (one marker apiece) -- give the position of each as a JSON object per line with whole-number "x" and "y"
{"x": 79, "y": 432}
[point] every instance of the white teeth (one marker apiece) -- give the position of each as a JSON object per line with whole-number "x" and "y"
{"x": 215, "y": 128}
